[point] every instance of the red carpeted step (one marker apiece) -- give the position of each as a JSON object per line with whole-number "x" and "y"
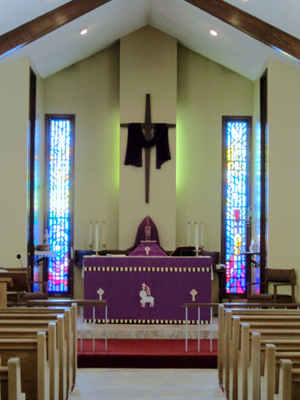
{"x": 147, "y": 346}
{"x": 147, "y": 353}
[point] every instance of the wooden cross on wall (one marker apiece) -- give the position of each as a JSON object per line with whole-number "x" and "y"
{"x": 147, "y": 126}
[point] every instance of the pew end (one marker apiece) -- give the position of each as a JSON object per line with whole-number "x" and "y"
{"x": 10, "y": 381}
{"x": 285, "y": 380}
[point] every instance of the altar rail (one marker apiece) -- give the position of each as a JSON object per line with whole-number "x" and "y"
{"x": 103, "y": 303}
{"x": 227, "y": 305}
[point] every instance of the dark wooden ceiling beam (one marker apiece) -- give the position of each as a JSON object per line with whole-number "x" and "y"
{"x": 46, "y": 23}
{"x": 247, "y": 23}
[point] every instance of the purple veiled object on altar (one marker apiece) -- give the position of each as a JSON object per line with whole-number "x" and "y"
{"x": 148, "y": 249}
{"x": 146, "y": 231}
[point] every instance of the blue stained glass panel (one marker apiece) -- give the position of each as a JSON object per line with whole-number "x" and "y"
{"x": 236, "y": 206}
{"x": 59, "y": 204}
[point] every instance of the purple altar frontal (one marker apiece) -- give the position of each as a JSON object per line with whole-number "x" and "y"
{"x": 147, "y": 290}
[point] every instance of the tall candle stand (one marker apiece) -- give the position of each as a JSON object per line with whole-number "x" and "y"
{"x": 95, "y": 250}
{"x": 198, "y": 251}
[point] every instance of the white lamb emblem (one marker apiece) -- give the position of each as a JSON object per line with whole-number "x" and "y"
{"x": 145, "y": 294}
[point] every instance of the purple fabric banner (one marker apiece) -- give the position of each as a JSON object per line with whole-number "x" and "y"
{"x": 148, "y": 290}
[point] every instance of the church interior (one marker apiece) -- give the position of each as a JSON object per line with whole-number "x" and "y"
{"x": 156, "y": 63}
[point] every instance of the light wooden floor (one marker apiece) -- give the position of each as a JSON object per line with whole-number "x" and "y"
{"x": 147, "y": 384}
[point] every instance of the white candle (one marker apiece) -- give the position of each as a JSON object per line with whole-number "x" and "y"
{"x": 97, "y": 236}
{"x": 196, "y": 238}
{"x": 91, "y": 234}
{"x": 103, "y": 233}
{"x": 188, "y": 233}
{"x": 202, "y": 235}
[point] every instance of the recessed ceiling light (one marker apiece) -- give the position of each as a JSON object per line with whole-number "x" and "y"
{"x": 213, "y": 33}
{"x": 83, "y": 32}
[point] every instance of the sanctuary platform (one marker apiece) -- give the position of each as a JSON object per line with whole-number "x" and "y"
{"x": 146, "y": 346}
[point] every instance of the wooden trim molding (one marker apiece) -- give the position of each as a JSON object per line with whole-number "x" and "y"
{"x": 247, "y": 23}
{"x": 46, "y": 23}
{"x": 252, "y": 26}
{"x": 263, "y": 179}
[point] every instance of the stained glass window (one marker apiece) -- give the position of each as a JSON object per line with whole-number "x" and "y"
{"x": 59, "y": 197}
{"x": 236, "y": 204}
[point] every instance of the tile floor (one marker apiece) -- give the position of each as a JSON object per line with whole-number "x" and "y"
{"x": 146, "y": 384}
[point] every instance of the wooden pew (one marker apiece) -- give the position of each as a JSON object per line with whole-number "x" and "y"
{"x": 251, "y": 361}
{"x": 66, "y": 303}
{"x": 59, "y": 370}
{"x": 65, "y": 336}
{"x": 269, "y": 334}
{"x": 284, "y": 385}
{"x": 10, "y": 381}
{"x": 53, "y": 351}
{"x": 243, "y": 374}
{"x": 225, "y": 333}
{"x": 268, "y": 318}
{"x": 65, "y": 308}
{"x": 35, "y": 369}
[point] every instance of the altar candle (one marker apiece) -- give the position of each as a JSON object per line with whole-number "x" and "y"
{"x": 97, "y": 235}
{"x": 196, "y": 238}
{"x": 188, "y": 233}
{"x": 202, "y": 234}
{"x": 103, "y": 232}
{"x": 91, "y": 234}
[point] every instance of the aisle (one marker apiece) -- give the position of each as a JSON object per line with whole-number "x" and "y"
{"x": 147, "y": 384}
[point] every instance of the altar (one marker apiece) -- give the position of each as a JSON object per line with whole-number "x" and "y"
{"x": 147, "y": 290}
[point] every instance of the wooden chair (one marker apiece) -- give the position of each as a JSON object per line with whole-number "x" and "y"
{"x": 279, "y": 277}
{"x": 21, "y": 290}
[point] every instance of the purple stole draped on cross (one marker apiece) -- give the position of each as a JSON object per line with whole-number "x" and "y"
{"x": 136, "y": 141}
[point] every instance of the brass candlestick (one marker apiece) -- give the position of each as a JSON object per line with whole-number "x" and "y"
{"x": 198, "y": 251}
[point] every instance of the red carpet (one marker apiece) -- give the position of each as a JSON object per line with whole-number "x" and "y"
{"x": 147, "y": 353}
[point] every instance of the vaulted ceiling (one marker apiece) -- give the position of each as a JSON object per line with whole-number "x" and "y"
{"x": 183, "y": 19}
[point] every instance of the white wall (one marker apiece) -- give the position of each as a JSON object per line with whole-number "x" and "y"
{"x": 90, "y": 90}
{"x": 14, "y": 116}
{"x": 148, "y": 64}
{"x": 206, "y": 92}
{"x": 284, "y": 166}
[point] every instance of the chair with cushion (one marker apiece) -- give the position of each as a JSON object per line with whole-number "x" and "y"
{"x": 21, "y": 290}
{"x": 279, "y": 278}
